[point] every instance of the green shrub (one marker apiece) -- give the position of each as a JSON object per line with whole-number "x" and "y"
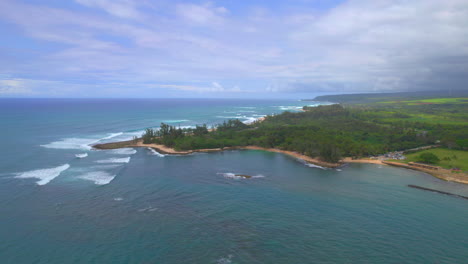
{"x": 428, "y": 157}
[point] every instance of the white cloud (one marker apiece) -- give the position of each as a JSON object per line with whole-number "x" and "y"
{"x": 215, "y": 87}
{"x": 119, "y": 8}
{"x": 206, "y": 14}
{"x": 357, "y": 45}
{"x": 13, "y": 87}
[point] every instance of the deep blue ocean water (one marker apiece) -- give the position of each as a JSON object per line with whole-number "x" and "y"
{"x": 135, "y": 206}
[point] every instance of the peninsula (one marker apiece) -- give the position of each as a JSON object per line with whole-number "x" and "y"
{"x": 332, "y": 135}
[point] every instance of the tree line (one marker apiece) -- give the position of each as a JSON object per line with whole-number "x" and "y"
{"x": 326, "y": 132}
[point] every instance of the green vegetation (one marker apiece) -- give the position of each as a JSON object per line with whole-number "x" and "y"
{"x": 371, "y": 98}
{"x": 448, "y": 158}
{"x": 462, "y": 100}
{"x": 428, "y": 157}
{"x": 333, "y": 131}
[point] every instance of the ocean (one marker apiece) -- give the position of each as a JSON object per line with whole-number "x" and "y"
{"x": 63, "y": 202}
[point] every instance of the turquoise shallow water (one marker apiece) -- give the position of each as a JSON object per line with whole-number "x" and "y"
{"x": 190, "y": 209}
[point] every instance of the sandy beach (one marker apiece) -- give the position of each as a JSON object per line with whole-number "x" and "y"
{"x": 363, "y": 160}
{"x": 166, "y": 150}
{"x": 441, "y": 173}
{"x": 298, "y": 156}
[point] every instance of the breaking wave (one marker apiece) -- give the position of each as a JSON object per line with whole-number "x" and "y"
{"x": 112, "y": 135}
{"x": 81, "y": 156}
{"x": 98, "y": 177}
{"x": 225, "y": 260}
{"x": 246, "y": 119}
{"x": 175, "y": 121}
{"x": 290, "y": 108}
{"x": 314, "y": 166}
{"x": 250, "y": 120}
{"x": 71, "y": 143}
{"x": 123, "y": 151}
{"x": 147, "y": 209}
{"x": 78, "y": 143}
{"x": 114, "y": 160}
{"x": 154, "y": 152}
{"x": 230, "y": 175}
{"x": 44, "y": 175}
{"x": 106, "y": 166}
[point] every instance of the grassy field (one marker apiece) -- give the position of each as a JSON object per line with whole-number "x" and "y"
{"x": 461, "y": 100}
{"x": 448, "y": 158}
{"x": 451, "y": 111}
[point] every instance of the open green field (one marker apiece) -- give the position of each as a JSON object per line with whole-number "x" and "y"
{"x": 461, "y": 100}
{"x": 448, "y": 158}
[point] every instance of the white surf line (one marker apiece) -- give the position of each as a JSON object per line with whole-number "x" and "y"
{"x": 44, "y": 175}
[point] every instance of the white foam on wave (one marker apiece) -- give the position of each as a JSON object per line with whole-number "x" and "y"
{"x": 247, "y": 119}
{"x": 225, "y": 260}
{"x": 72, "y": 143}
{"x": 230, "y": 117}
{"x": 123, "y": 151}
{"x": 314, "y": 166}
{"x": 106, "y": 166}
{"x": 147, "y": 209}
{"x": 155, "y": 153}
{"x": 230, "y": 175}
{"x": 176, "y": 121}
{"x": 81, "y": 156}
{"x": 258, "y": 176}
{"x": 114, "y": 160}
{"x": 290, "y": 108}
{"x": 185, "y": 127}
{"x": 78, "y": 143}
{"x": 98, "y": 177}
{"x": 128, "y": 135}
{"x": 250, "y": 120}
{"x": 44, "y": 175}
{"x": 112, "y": 135}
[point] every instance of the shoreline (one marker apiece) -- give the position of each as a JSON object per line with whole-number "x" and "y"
{"x": 441, "y": 173}
{"x": 166, "y": 150}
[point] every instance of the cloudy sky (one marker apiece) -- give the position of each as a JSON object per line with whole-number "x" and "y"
{"x": 230, "y": 48}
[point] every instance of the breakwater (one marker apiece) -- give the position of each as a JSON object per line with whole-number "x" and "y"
{"x": 436, "y": 191}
